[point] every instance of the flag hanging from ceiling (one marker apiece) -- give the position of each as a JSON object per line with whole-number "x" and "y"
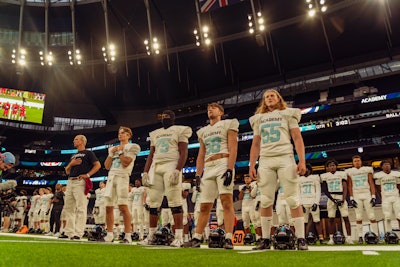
{"x": 208, "y": 5}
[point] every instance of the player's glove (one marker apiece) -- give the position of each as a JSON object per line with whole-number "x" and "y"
{"x": 173, "y": 179}
{"x": 373, "y": 202}
{"x": 147, "y": 207}
{"x": 339, "y": 203}
{"x": 258, "y": 205}
{"x": 227, "y": 176}
{"x": 304, "y": 209}
{"x": 39, "y": 212}
{"x": 47, "y": 212}
{"x": 354, "y": 203}
{"x": 145, "y": 179}
{"x": 314, "y": 207}
{"x": 198, "y": 182}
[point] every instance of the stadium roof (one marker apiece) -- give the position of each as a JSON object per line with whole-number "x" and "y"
{"x": 294, "y": 46}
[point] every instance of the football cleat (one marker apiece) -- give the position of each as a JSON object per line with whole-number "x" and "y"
{"x": 125, "y": 241}
{"x": 176, "y": 243}
{"x": 194, "y": 243}
{"x": 331, "y": 242}
{"x": 228, "y": 244}
{"x": 360, "y": 240}
{"x": 109, "y": 238}
{"x": 262, "y": 243}
{"x": 302, "y": 244}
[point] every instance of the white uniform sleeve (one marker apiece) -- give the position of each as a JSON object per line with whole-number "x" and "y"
{"x": 254, "y": 123}
{"x": 185, "y": 134}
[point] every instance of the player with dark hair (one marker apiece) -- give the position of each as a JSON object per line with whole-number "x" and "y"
{"x": 274, "y": 125}
{"x": 362, "y": 194}
{"x": 163, "y": 172}
{"x": 215, "y": 168}
{"x": 388, "y": 185}
{"x": 334, "y": 185}
{"x": 310, "y": 196}
{"x": 120, "y": 162}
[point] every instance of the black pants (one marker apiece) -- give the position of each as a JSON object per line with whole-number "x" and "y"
{"x": 55, "y": 218}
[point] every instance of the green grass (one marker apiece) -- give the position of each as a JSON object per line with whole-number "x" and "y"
{"x": 24, "y": 251}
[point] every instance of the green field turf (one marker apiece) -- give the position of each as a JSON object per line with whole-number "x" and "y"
{"x": 17, "y": 250}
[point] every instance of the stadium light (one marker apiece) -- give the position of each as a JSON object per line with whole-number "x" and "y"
{"x": 315, "y": 6}
{"x": 46, "y": 59}
{"x": 19, "y": 57}
{"x": 75, "y": 58}
{"x": 202, "y": 36}
{"x": 109, "y": 53}
{"x": 152, "y": 47}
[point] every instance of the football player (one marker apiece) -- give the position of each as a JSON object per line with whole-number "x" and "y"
{"x": 274, "y": 126}
{"x": 120, "y": 162}
{"x": 185, "y": 193}
{"x": 256, "y": 219}
{"x": 99, "y": 205}
{"x": 334, "y": 185}
{"x": 138, "y": 196}
{"x": 388, "y": 184}
{"x": 163, "y": 171}
{"x": 215, "y": 168}
{"x": 362, "y": 194}
{"x": 196, "y": 200}
{"x": 247, "y": 203}
{"x": 310, "y": 195}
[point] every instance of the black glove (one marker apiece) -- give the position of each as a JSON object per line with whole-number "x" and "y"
{"x": 39, "y": 212}
{"x": 227, "y": 176}
{"x": 304, "y": 209}
{"x": 314, "y": 207}
{"x": 373, "y": 202}
{"x": 258, "y": 205}
{"x": 147, "y": 207}
{"x": 198, "y": 182}
{"x": 47, "y": 212}
{"x": 354, "y": 203}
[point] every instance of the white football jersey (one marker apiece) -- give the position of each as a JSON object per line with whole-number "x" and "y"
{"x": 274, "y": 129}
{"x": 137, "y": 196}
{"x": 166, "y": 142}
{"x": 45, "y": 202}
{"x": 21, "y": 201}
{"x": 388, "y": 182}
{"x": 215, "y": 137}
{"x": 130, "y": 150}
{"x": 310, "y": 189}
{"x": 99, "y": 197}
{"x": 334, "y": 181}
{"x": 360, "y": 178}
{"x": 247, "y": 199}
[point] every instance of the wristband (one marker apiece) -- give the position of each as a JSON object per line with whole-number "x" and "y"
{"x": 351, "y": 198}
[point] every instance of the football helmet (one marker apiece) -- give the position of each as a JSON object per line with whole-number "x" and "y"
{"x": 135, "y": 236}
{"x": 284, "y": 238}
{"x": 163, "y": 236}
{"x": 391, "y": 238}
{"x": 371, "y": 238}
{"x": 216, "y": 238}
{"x": 339, "y": 238}
{"x": 97, "y": 233}
{"x": 311, "y": 238}
{"x": 248, "y": 238}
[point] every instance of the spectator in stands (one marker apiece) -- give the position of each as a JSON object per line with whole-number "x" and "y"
{"x": 82, "y": 165}
{"x": 274, "y": 125}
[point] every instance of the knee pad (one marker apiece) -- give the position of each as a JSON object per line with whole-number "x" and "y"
{"x": 292, "y": 203}
{"x": 177, "y": 210}
{"x": 153, "y": 211}
{"x": 266, "y": 201}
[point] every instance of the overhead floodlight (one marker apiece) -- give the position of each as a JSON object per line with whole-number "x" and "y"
{"x": 109, "y": 53}
{"x": 19, "y": 57}
{"x": 315, "y": 6}
{"x": 75, "y": 58}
